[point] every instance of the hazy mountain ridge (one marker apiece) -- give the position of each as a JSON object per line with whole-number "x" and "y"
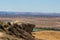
{"x": 3, "y": 13}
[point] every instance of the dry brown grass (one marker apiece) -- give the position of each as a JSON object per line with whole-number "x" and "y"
{"x": 47, "y": 35}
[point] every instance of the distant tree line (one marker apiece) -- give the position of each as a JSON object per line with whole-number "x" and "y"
{"x": 55, "y": 29}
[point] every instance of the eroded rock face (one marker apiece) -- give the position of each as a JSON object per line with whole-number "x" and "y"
{"x": 2, "y": 34}
{"x": 18, "y": 31}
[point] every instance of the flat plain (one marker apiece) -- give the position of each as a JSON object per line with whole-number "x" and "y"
{"x": 51, "y": 22}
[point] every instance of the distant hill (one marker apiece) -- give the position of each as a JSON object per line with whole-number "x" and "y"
{"x": 35, "y": 14}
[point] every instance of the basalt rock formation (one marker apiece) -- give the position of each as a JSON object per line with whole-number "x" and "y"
{"x": 16, "y": 31}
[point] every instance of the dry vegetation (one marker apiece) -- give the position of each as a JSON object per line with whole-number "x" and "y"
{"x": 47, "y": 35}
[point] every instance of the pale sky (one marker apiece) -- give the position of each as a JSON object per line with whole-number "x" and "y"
{"x": 30, "y": 5}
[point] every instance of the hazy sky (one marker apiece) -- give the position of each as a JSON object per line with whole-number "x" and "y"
{"x": 30, "y": 5}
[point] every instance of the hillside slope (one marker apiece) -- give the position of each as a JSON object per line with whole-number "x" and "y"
{"x": 47, "y": 35}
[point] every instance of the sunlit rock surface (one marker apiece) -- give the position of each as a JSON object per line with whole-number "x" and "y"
{"x": 16, "y": 31}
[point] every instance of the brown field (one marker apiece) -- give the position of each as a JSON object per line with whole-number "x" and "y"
{"x": 53, "y": 22}
{"x": 47, "y": 35}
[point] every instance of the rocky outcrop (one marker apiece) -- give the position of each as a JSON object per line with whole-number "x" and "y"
{"x": 17, "y": 31}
